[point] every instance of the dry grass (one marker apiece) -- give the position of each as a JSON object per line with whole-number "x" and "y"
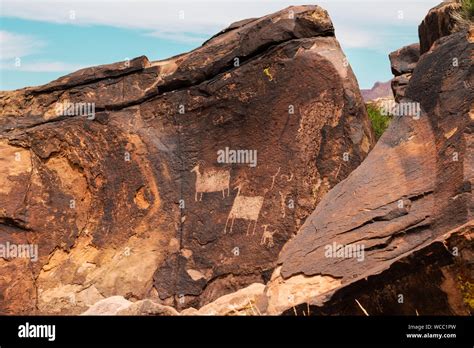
{"x": 363, "y": 309}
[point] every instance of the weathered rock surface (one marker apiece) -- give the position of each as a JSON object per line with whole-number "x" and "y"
{"x": 408, "y": 205}
{"x": 247, "y": 301}
{"x": 433, "y": 280}
{"x": 403, "y": 62}
{"x": 438, "y": 22}
{"x": 112, "y": 200}
{"x": 118, "y": 305}
{"x": 147, "y": 307}
{"x": 379, "y": 90}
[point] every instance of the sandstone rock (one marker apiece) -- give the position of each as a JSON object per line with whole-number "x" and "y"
{"x": 108, "y": 306}
{"x": 399, "y": 85}
{"x": 403, "y": 62}
{"x": 109, "y": 193}
{"x": 438, "y": 23}
{"x": 381, "y": 103}
{"x": 409, "y": 200}
{"x": 247, "y": 301}
{"x": 429, "y": 281}
{"x": 283, "y": 294}
{"x": 147, "y": 307}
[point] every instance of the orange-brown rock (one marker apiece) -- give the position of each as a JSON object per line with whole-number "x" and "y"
{"x": 396, "y": 234}
{"x": 438, "y": 22}
{"x": 403, "y": 62}
{"x": 113, "y": 171}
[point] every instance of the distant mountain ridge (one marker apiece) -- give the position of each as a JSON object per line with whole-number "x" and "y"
{"x": 379, "y": 90}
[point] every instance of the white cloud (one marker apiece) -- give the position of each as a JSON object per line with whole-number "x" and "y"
{"x": 161, "y": 18}
{"x": 41, "y": 66}
{"x": 15, "y": 50}
{"x": 14, "y": 45}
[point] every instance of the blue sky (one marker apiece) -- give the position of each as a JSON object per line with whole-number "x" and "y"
{"x": 51, "y": 38}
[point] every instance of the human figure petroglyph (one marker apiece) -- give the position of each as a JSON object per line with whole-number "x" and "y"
{"x": 274, "y": 178}
{"x": 246, "y": 208}
{"x": 267, "y": 236}
{"x": 211, "y": 180}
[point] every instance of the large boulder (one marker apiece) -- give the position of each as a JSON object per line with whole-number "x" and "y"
{"x": 147, "y": 307}
{"x": 108, "y": 306}
{"x": 247, "y": 301}
{"x": 435, "y": 279}
{"x": 404, "y": 218}
{"x": 438, "y": 22}
{"x": 124, "y": 175}
{"x": 403, "y": 62}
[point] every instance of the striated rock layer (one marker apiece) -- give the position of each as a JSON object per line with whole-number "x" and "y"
{"x": 113, "y": 171}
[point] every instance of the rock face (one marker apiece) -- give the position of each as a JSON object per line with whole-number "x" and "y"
{"x": 402, "y": 62}
{"x": 123, "y": 175}
{"x": 402, "y": 222}
{"x": 247, "y": 301}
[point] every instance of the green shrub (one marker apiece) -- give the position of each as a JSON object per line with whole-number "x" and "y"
{"x": 467, "y": 9}
{"x": 464, "y": 16}
{"x": 379, "y": 122}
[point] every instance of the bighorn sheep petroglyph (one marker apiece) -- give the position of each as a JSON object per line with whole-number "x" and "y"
{"x": 267, "y": 236}
{"x": 246, "y": 208}
{"x": 211, "y": 180}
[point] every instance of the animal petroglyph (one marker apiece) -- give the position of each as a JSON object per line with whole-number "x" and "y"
{"x": 267, "y": 236}
{"x": 246, "y": 208}
{"x": 211, "y": 180}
